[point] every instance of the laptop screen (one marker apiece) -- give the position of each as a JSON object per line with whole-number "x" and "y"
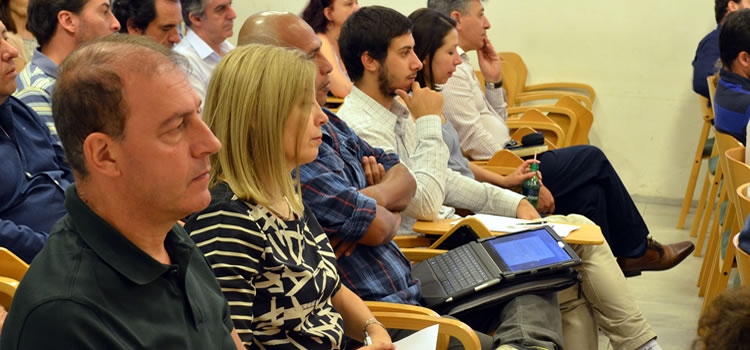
{"x": 529, "y": 250}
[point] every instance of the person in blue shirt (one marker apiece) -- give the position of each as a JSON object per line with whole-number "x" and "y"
{"x": 707, "y": 53}
{"x": 732, "y": 99}
{"x": 35, "y": 174}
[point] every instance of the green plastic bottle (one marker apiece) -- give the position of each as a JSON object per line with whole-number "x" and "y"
{"x": 530, "y": 187}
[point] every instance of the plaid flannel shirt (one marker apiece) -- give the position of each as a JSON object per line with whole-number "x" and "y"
{"x": 330, "y": 187}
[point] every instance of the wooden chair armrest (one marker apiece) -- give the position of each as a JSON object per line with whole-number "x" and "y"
{"x": 551, "y": 95}
{"x": 564, "y": 117}
{"x": 8, "y": 286}
{"x": 521, "y": 132}
{"x": 518, "y": 110}
{"x": 379, "y": 306}
{"x": 11, "y": 265}
{"x": 412, "y": 241}
{"x": 421, "y": 254}
{"x": 565, "y": 86}
{"x": 538, "y": 121}
{"x": 448, "y": 327}
{"x": 474, "y": 223}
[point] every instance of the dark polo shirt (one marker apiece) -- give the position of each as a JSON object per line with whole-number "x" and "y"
{"x": 91, "y": 288}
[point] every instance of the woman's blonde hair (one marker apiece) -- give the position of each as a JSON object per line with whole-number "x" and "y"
{"x": 253, "y": 91}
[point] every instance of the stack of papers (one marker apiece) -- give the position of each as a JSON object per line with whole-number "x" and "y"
{"x": 426, "y": 339}
{"x": 510, "y": 225}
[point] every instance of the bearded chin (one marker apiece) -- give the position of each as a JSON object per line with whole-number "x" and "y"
{"x": 385, "y": 85}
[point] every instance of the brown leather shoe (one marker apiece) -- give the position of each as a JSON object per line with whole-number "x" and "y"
{"x": 657, "y": 257}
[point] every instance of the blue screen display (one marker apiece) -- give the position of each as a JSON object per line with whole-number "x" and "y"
{"x": 528, "y": 250}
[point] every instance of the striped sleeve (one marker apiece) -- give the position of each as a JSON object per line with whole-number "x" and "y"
{"x": 234, "y": 247}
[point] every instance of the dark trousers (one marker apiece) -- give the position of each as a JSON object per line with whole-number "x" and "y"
{"x": 583, "y": 181}
{"x": 528, "y": 320}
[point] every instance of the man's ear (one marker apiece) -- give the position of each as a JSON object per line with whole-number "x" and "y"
{"x": 732, "y": 6}
{"x": 101, "y": 154}
{"x": 370, "y": 64}
{"x": 132, "y": 29}
{"x": 195, "y": 19}
{"x": 456, "y": 16}
{"x": 68, "y": 21}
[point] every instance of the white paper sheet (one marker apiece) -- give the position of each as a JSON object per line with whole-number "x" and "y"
{"x": 426, "y": 339}
{"x": 510, "y": 225}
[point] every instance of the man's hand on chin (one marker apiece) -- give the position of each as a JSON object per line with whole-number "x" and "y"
{"x": 489, "y": 63}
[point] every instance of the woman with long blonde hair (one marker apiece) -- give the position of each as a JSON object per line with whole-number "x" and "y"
{"x": 271, "y": 257}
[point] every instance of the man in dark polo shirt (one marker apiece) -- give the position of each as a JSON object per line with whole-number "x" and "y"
{"x": 732, "y": 97}
{"x": 117, "y": 272}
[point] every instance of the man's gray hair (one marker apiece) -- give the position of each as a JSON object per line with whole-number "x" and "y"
{"x": 448, "y": 6}
{"x": 196, "y": 8}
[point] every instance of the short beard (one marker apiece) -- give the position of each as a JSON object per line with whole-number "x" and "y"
{"x": 384, "y": 83}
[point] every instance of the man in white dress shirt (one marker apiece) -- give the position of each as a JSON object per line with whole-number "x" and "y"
{"x": 581, "y": 178}
{"x": 384, "y": 65}
{"x": 210, "y": 23}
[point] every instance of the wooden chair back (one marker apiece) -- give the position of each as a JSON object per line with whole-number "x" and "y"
{"x": 706, "y": 110}
{"x": 744, "y": 199}
{"x": 473, "y": 223}
{"x": 401, "y": 316}
{"x": 584, "y": 120}
{"x": 536, "y": 120}
{"x": 525, "y": 130}
{"x": 743, "y": 262}
{"x": 713, "y": 81}
{"x": 12, "y": 270}
{"x": 738, "y": 173}
{"x": 725, "y": 142}
{"x": 334, "y": 103}
{"x": 514, "y": 75}
{"x": 503, "y": 162}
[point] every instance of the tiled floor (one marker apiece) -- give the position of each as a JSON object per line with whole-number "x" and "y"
{"x": 668, "y": 299}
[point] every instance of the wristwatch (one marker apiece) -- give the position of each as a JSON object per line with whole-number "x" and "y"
{"x": 497, "y": 85}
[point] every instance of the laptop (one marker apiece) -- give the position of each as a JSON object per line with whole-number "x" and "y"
{"x": 484, "y": 263}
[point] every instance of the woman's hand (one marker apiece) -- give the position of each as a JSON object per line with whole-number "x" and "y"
{"x": 521, "y": 173}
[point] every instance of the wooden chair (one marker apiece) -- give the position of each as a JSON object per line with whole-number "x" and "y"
{"x": 503, "y": 162}
{"x": 334, "y": 103}
{"x": 720, "y": 266}
{"x": 584, "y": 120}
{"x": 515, "y": 74}
{"x": 723, "y": 143}
{"x": 533, "y": 118}
{"x": 743, "y": 262}
{"x": 519, "y": 133}
{"x": 572, "y": 116}
{"x": 401, "y": 316}
{"x": 566, "y": 119}
{"x": 743, "y": 258}
{"x": 432, "y": 241}
{"x": 12, "y": 270}
{"x": 702, "y": 152}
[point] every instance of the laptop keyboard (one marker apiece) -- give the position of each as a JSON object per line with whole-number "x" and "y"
{"x": 457, "y": 269}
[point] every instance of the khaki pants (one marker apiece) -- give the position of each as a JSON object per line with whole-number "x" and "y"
{"x": 605, "y": 301}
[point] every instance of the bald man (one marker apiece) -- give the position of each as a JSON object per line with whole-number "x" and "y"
{"x": 286, "y": 29}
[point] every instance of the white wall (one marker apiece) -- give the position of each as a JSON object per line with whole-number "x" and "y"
{"x": 636, "y": 54}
